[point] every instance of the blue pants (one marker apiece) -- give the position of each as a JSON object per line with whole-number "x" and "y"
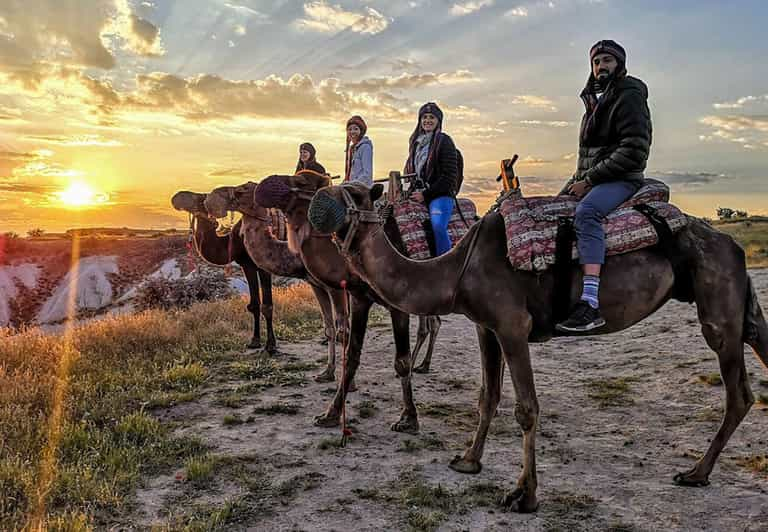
{"x": 590, "y": 212}
{"x": 440, "y": 211}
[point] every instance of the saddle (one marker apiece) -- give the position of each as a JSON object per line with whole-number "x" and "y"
{"x": 416, "y": 230}
{"x": 531, "y": 225}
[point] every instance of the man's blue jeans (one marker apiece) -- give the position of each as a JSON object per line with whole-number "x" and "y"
{"x": 440, "y": 211}
{"x": 600, "y": 201}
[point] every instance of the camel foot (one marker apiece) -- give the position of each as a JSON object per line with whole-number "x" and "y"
{"x": 468, "y": 467}
{"x": 352, "y": 387}
{"x": 691, "y": 479}
{"x": 327, "y": 420}
{"x": 255, "y": 343}
{"x": 326, "y": 376}
{"x": 271, "y": 348}
{"x": 422, "y": 368}
{"x": 517, "y": 501}
{"x": 406, "y": 424}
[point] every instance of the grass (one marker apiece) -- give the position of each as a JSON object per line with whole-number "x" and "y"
{"x": 611, "y": 392}
{"x": 429, "y": 442}
{"x": 757, "y": 463}
{"x": 276, "y": 409}
{"x": 118, "y": 370}
{"x": 366, "y": 409}
{"x": 199, "y": 469}
{"x": 762, "y": 399}
{"x": 752, "y": 235}
{"x": 713, "y": 379}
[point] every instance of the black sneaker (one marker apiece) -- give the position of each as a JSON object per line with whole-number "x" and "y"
{"x": 583, "y": 318}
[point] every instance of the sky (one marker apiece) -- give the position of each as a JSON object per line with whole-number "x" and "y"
{"x": 107, "y": 107}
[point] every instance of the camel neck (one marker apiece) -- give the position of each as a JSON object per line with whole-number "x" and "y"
{"x": 416, "y": 287}
{"x": 269, "y": 253}
{"x": 209, "y": 245}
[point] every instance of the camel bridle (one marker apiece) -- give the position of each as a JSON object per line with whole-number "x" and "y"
{"x": 356, "y": 216}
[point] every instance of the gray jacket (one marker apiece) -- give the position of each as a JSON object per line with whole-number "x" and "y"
{"x": 361, "y": 168}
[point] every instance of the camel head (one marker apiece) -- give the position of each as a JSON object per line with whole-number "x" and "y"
{"x": 192, "y": 202}
{"x": 329, "y": 209}
{"x": 240, "y": 198}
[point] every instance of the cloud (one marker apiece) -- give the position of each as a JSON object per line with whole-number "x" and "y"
{"x": 75, "y": 140}
{"x": 246, "y": 173}
{"x": 687, "y": 179}
{"x": 400, "y": 65}
{"x": 534, "y": 161}
{"x": 26, "y": 188}
{"x": 750, "y": 132}
{"x": 533, "y": 101}
{"x": 741, "y": 102}
{"x": 327, "y": 18}
{"x": 518, "y": 12}
{"x": 546, "y": 123}
{"x": 413, "y": 81}
{"x": 460, "y": 9}
{"x": 82, "y": 34}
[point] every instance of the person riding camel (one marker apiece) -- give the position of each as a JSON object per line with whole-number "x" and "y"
{"x": 614, "y": 143}
{"x": 358, "y": 165}
{"x": 307, "y": 160}
{"x": 432, "y": 155}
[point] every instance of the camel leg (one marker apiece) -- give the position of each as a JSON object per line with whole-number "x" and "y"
{"x": 409, "y": 419}
{"x": 324, "y": 300}
{"x": 421, "y": 336}
{"x": 720, "y": 288}
{"x": 265, "y": 280}
{"x": 361, "y": 307}
{"x": 515, "y": 346}
{"x": 490, "y": 395}
{"x": 251, "y": 272}
{"x": 431, "y": 327}
{"x": 738, "y": 398}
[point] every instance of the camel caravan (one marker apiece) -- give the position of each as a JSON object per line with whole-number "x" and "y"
{"x": 605, "y": 253}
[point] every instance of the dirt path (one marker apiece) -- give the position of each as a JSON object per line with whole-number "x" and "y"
{"x": 604, "y": 462}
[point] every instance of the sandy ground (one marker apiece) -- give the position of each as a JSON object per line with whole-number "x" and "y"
{"x": 600, "y": 466}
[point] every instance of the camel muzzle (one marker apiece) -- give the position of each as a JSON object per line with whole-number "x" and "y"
{"x": 326, "y": 214}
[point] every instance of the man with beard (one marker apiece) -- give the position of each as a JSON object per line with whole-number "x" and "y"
{"x": 614, "y": 142}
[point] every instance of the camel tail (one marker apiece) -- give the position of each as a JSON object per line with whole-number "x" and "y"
{"x": 755, "y": 327}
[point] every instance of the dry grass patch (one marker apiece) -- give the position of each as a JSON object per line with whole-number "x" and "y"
{"x": 118, "y": 369}
{"x": 611, "y": 392}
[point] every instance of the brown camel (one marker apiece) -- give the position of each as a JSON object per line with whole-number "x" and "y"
{"x": 222, "y": 250}
{"x": 323, "y": 261}
{"x": 273, "y": 255}
{"x": 512, "y": 308}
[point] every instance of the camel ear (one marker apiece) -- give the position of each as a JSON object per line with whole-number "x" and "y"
{"x": 376, "y": 191}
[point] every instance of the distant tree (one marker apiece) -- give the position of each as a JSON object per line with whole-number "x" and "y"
{"x": 35, "y": 233}
{"x": 11, "y": 235}
{"x": 741, "y": 214}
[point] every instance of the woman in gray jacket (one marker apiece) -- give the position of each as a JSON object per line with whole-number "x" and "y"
{"x": 359, "y": 156}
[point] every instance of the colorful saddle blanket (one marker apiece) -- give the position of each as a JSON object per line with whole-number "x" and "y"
{"x": 277, "y": 224}
{"x": 413, "y": 220}
{"x": 531, "y": 225}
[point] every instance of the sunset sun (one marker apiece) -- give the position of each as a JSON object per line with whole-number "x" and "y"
{"x": 80, "y": 194}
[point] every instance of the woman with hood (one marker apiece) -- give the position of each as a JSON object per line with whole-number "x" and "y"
{"x": 307, "y": 159}
{"x": 359, "y": 157}
{"x": 433, "y": 157}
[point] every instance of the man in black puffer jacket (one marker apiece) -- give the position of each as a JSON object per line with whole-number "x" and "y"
{"x": 614, "y": 143}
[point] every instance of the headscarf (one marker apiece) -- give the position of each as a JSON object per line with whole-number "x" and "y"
{"x": 359, "y": 122}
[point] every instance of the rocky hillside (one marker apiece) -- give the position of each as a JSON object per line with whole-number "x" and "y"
{"x": 99, "y": 272}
